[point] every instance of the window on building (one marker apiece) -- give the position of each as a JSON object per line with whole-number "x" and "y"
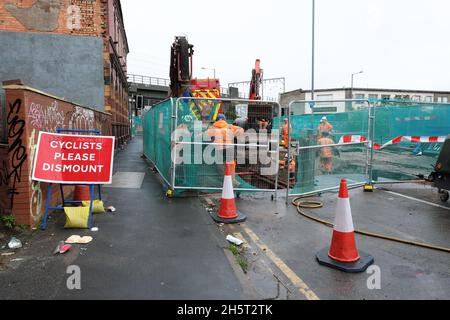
{"x": 443, "y": 99}
{"x": 385, "y": 97}
{"x": 360, "y": 96}
{"x": 428, "y": 99}
{"x": 416, "y": 98}
{"x": 373, "y": 97}
{"x": 324, "y": 97}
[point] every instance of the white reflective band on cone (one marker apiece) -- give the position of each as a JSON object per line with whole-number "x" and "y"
{"x": 227, "y": 192}
{"x": 343, "y": 221}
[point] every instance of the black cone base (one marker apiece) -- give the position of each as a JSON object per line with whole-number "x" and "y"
{"x": 351, "y": 267}
{"x": 240, "y": 218}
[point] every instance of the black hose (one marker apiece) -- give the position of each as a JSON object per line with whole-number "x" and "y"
{"x": 314, "y": 204}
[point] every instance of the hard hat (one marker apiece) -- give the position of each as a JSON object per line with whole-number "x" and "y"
{"x": 324, "y": 119}
{"x": 221, "y": 117}
{"x": 286, "y": 119}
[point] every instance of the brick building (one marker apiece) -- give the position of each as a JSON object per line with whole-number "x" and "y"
{"x": 70, "y": 56}
{"x": 73, "y": 49}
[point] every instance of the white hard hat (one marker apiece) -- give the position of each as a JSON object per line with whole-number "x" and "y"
{"x": 324, "y": 119}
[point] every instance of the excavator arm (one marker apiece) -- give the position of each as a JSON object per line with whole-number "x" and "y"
{"x": 256, "y": 82}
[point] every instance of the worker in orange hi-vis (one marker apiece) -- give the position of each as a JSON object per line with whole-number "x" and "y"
{"x": 326, "y": 153}
{"x": 292, "y": 168}
{"x": 286, "y": 130}
{"x": 223, "y": 136}
{"x": 324, "y": 126}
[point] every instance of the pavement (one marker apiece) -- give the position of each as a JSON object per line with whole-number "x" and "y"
{"x": 150, "y": 248}
{"x": 158, "y": 248}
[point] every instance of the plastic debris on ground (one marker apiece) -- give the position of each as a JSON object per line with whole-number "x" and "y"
{"x": 14, "y": 243}
{"x": 111, "y": 209}
{"x": 56, "y": 251}
{"x": 95, "y": 229}
{"x": 79, "y": 240}
{"x": 234, "y": 240}
{"x": 62, "y": 248}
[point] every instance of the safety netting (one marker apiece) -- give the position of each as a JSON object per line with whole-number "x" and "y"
{"x": 319, "y": 167}
{"x": 408, "y": 139}
{"x": 157, "y": 137}
{"x": 200, "y": 165}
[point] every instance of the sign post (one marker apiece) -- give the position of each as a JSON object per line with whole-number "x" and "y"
{"x": 73, "y": 160}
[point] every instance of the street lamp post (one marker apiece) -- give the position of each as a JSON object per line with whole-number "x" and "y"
{"x": 353, "y": 75}
{"x": 203, "y": 68}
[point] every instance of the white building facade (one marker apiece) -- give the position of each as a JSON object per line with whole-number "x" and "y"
{"x": 330, "y": 96}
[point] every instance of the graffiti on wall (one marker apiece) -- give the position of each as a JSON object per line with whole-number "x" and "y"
{"x": 81, "y": 119}
{"x": 36, "y": 192}
{"x": 11, "y": 172}
{"x": 24, "y": 121}
{"x": 46, "y": 118}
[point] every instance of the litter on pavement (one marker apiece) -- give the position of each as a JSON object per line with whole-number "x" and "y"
{"x": 14, "y": 243}
{"x": 62, "y": 248}
{"x": 234, "y": 240}
{"x": 79, "y": 240}
{"x": 111, "y": 209}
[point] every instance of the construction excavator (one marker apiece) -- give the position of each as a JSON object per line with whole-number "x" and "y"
{"x": 256, "y": 82}
{"x": 182, "y": 83}
{"x": 260, "y": 115}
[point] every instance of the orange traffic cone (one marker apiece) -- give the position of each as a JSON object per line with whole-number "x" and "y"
{"x": 81, "y": 193}
{"x": 343, "y": 253}
{"x": 227, "y": 212}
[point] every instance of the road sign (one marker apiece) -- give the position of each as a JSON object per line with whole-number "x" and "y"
{"x": 73, "y": 159}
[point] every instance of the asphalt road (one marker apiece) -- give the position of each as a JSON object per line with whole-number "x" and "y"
{"x": 407, "y": 272}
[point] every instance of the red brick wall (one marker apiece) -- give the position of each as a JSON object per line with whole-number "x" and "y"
{"x": 29, "y": 112}
{"x": 116, "y": 82}
{"x": 53, "y": 16}
{"x": 99, "y": 18}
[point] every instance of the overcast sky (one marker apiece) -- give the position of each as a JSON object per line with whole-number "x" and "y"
{"x": 403, "y": 44}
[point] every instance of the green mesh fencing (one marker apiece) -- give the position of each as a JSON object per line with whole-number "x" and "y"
{"x": 157, "y": 137}
{"x": 314, "y": 172}
{"x": 317, "y": 170}
{"x": 196, "y": 116}
{"x": 405, "y": 160}
{"x": 136, "y": 126}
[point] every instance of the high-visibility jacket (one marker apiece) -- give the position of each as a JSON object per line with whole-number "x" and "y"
{"x": 324, "y": 127}
{"x": 220, "y": 133}
{"x": 287, "y": 129}
{"x": 223, "y": 134}
{"x": 237, "y": 131}
{"x": 326, "y": 152}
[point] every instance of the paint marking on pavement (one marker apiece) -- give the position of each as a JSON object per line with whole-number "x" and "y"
{"x": 295, "y": 279}
{"x": 415, "y": 199}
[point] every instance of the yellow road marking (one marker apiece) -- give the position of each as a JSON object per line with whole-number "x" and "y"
{"x": 295, "y": 279}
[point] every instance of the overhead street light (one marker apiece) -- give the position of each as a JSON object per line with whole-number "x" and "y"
{"x": 353, "y": 75}
{"x": 203, "y": 68}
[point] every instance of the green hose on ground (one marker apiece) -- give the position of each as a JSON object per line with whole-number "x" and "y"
{"x": 313, "y": 204}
